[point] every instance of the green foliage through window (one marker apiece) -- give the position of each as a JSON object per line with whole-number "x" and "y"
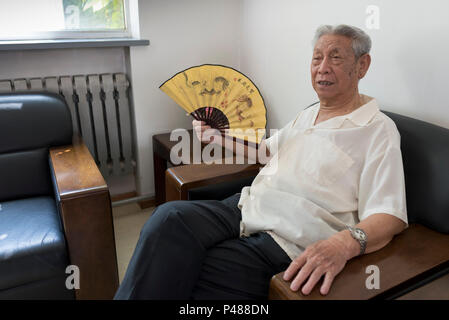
{"x": 94, "y": 14}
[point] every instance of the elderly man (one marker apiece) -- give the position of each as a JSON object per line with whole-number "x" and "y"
{"x": 338, "y": 192}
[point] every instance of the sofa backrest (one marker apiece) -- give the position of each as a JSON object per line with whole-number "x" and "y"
{"x": 425, "y": 154}
{"x": 30, "y": 123}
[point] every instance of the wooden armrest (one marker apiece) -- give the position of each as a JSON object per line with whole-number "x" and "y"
{"x": 411, "y": 258}
{"x": 86, "y": 214}
{"x": 178, "y": 180}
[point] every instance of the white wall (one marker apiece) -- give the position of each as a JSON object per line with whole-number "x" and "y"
{"x": 410, "y": 53}
{"x": 182, "y": 34}
{"x": 58, "y": 62}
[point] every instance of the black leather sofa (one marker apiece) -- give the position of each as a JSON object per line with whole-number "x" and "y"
{"x": 34, "y": 246}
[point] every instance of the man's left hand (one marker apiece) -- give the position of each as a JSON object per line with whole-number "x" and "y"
{"x": 326, "y": 257}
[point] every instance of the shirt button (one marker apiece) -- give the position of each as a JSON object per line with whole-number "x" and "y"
{"x": 252, "y": 197}
{"x": 269, "y": 178}
{"x": 308, "y": 131}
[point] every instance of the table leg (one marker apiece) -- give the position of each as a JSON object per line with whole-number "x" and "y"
{"x": 160, "y": 165}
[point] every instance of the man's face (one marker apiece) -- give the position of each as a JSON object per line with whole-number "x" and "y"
{"x": 334, "y": 69}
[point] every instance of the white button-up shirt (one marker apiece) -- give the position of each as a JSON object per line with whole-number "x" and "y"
{"x": 324, "y": 177}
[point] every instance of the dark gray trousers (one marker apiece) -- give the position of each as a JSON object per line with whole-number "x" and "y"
{"x": 192, "y": 250}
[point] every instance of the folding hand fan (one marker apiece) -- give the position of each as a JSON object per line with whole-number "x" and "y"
{"x": 222, "y": 97}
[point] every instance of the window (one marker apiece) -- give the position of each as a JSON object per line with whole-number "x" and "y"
{"x": 63, "y": 19}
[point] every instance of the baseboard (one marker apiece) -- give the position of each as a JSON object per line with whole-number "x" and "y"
{"x": 123, "y": 196}
{"x": 147, "y": 203}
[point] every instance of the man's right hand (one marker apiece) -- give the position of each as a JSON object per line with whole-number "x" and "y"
{"x": 205, "y": 133}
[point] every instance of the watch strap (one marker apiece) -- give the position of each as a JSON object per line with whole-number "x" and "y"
{"x": 362, "y": 242}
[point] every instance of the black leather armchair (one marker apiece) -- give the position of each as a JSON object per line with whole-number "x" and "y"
{"x": 417, "y": 256}
{"x": 51, "y": 213}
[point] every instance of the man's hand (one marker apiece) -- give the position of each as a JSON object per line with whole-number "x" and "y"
{"x": 326, "y": 257}
{"x": 205, "y": 133}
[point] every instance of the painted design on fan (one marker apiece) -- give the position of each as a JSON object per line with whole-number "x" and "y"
{"x": 241, "y": 117}
{"x": 224, "y": 103}
{"x": 219, "y": 84}
{"x": 244, "y": 84}
{"x": 239, "y": 113}
{"x": 242, "y": 102}
{"x": 244, "y": 99}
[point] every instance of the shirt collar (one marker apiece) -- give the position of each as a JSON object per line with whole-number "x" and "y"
{"x": 359, "y": 117}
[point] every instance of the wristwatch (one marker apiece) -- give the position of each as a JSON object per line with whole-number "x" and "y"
{"x": 360, "y": 236}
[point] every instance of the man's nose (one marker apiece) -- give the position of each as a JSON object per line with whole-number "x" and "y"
{"x": 324, "y": 66}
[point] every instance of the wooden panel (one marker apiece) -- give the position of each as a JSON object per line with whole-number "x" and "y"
{"x": 435, "y": 290}
{"x": 76, "y": 171}
{"x": 84, "y": 113}
{"x": 180, "y": 179}
{"x": 100, "y": 130}
{"x": 145, "y": 204}
{"x": 125, "y": 121}
{"x": 87, "y": 220}
{"x": 111, "y": 118}
{"x": 20, "y": 85}
{"x": 123, "y": 196}
{"x": 5, "y": 86}
{"x": 159, "y": 167}
{"x": 173, "y": 190}
{"x": 162, "y": 145}
{"x": 89, "y": 232}
{"x": 67, "y": 91}
{"x": 198, "y": 175}
{"x": 408, "y": 258}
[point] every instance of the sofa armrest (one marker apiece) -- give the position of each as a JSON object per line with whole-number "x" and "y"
{"x": 86, "y": 214}
{"x": 414, "y": 257}
{"x": 179, "y": 180}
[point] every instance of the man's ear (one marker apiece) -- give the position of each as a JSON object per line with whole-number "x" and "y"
{"x": 364, "y": 63}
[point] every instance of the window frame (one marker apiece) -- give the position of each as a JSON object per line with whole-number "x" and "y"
{"x": 77, "y": 35}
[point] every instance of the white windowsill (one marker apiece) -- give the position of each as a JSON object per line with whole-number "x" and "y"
{"x": 71, "y": 43}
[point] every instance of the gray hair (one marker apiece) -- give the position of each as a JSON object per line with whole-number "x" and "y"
{"x": 361, "y": 42}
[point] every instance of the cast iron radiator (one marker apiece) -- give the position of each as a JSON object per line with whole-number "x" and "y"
{"x": 100, "y": 111}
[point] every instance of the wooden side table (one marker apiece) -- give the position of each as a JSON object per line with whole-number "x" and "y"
{"x": 161, "y": 156}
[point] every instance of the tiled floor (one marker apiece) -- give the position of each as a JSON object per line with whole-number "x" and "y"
{"x": 128, "y": 221}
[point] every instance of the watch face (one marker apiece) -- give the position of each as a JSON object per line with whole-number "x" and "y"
{"x": 360, "y": 234}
